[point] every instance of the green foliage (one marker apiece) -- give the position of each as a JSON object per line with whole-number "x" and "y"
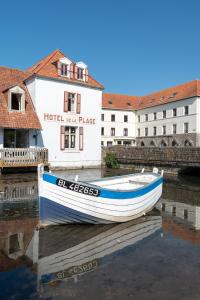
{"x": 111, "y": 160}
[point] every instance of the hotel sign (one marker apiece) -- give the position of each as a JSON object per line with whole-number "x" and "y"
{"x": 69, "y": 119}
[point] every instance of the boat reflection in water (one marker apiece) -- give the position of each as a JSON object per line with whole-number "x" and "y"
{"x": 83, "y": 247}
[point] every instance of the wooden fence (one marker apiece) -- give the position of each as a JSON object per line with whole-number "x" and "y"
{"x": 23, "y": 157}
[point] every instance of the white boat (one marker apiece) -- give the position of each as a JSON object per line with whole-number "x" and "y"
{"x": 103, "y": 201}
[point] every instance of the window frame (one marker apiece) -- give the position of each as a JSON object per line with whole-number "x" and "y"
{"x": 125, "y": 118}
{"x": 112, "y": 118}
{"x": 125, "y": 131}
{"x": 186, "y": 110}
{"x": 67, "y": 71}
{"x": 112, "y": 131}
{"x": 70, "y": 135}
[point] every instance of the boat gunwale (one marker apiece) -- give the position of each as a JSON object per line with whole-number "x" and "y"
{"x": 158, "y": 176}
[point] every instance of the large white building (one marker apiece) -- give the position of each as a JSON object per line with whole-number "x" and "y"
{"x": 62, "y": 105}
{"x": 169, "y": 117}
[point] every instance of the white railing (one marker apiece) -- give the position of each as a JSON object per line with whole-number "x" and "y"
{"x": 11, "y": 157}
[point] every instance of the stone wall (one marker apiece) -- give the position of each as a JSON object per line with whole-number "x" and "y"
{"x": 179, "y": 140}
{"x": 169, "y": 157}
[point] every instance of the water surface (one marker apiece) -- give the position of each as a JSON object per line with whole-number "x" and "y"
{"x": 154, "y": 257}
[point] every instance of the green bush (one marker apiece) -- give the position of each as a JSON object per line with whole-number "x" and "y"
{"x": 111, "y": 160}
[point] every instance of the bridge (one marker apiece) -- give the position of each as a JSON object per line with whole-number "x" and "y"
{"x": 171, "y": 159}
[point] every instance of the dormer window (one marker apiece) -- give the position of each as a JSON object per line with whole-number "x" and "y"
{"x": 80, "y": 73}
{"x": 64, "y": 70}
{"x": 16, "y": 99}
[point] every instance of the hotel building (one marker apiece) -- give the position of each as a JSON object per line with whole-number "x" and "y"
{"x": 170, "y": 117}
{"x": 54, "y": 105}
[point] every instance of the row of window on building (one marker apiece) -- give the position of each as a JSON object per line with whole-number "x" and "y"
{"x": 113, "y": 119}
{"x": 112, "y": 131}
{"x": 164, "y": 130}
{"x": 164, "y": 114}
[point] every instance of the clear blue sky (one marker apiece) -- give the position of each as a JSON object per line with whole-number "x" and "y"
{"x": 132, "y": 47}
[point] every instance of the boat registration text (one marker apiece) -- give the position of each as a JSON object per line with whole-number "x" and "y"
{"x": 79, "y": 188}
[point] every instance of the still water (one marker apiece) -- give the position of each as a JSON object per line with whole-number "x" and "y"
{"x": 154, "y": 257}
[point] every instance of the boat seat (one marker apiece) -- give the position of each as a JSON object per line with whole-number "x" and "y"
{"x": 138, "y": 182}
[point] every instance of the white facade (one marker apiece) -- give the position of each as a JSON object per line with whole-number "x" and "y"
{"x": 172, "y": 124}
{"x": 118, "y": 127}
{"x": 48, "y": 98}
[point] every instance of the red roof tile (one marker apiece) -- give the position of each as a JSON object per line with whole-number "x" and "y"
{"x": 115, "y": 101}
{"x": 172, "y": 94}
{"x": 47, "y": 67}
{"x": 12, "y": 119}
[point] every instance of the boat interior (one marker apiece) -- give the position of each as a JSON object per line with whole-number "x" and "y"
{"x": 126, "y": 182}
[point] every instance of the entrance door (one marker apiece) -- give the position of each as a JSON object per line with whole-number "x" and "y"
{"x": 16, "y": 138}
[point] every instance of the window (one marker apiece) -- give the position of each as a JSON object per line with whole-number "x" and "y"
{"x": 64, "y": 70}
{"x": 109, "y": 144}
{"x": 16, "y": 101}
{"x": 174, "y": 128}
{"x": 186, "y": 127}
{"x": 146, "y": 131}
{"x": 138, "y": 119}
{"x": 125, "y": 131}
{"x": 119, "y": 142}
{"x": 155, "y": 116}
{"x": 102, "y": 143}
{"x": 186, "y": 110}
{"x": 174, "y": 112}
{"x": 70, "y": 137}
{"x": 102, "y": 130}
{"x": 185, "y": 213}
{"x": 125, "y": 118}
{"x": 164, "y": 129}
{"x": 102, "y": 117}
{"x": 112, "y": 118}
{"x": 71, "y": 102}
{"x": 164, "y": 114}
{"x": 146, "y": 117}
{"x": 154, "y": 131}
{"x": 112, "y": 132}
{"x": 174, "y": 210}
{"x": 80, "y": 73}
{"x": 138, "y": 131}
{"x": 163, "y": 206}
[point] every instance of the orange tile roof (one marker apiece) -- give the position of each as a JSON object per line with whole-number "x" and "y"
{"x": 26, "y": 120}
{"x": 115, "y": 101}
{"x": 47, "y": 67}
{"x": 179, "y": 92}
{"x": 172, "y": 94}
